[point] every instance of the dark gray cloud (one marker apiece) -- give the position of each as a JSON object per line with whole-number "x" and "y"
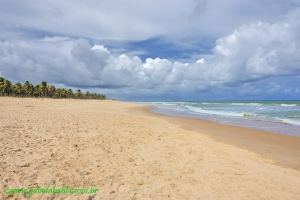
{"x": 138, "y": 20}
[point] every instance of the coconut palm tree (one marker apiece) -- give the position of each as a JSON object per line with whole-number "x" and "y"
{"x": 42, "y": 90}
{"x": 70, "y": 93}
{"x": 87, "y": 95}
{"x": 64, "y": 93}
{"x": 7, "y": 88}
{"x": 2, "y": 86}
{"x": 37, "y": 90}
{"x": 78, "y": 94}
{"x": 28, "y": 89}
{"x": 51, "y": 91}
{"x": 17, "y": 89}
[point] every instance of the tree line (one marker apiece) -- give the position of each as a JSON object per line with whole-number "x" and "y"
{"x": 27, "y": 89}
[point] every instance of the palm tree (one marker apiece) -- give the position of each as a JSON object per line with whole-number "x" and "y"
{"x": 87, "y": 95}
{"x": 63, "y": 93}
{"x": 7, "y": 87}
{"x": 78, "y": 94}
{"x": 70, "y": 93}
{"x": 44, "y": 88}
{"x": 51, "y": 91}
{"x": 58, "y": 93}
{"x": 37, "y": 90}
{"x": 17, "y": 89}
{"x": 2, "y": 85}
{"x": 28, "y": 89}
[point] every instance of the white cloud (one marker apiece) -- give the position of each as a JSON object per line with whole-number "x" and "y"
{"x": 254, "y": 51}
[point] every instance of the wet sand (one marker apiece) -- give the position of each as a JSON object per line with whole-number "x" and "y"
{"x": 284, "y": 150}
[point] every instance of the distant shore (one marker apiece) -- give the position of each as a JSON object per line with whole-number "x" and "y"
{"x": 127, "y": 152}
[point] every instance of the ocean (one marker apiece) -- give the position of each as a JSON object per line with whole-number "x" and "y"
{"x": 276, "y": 116}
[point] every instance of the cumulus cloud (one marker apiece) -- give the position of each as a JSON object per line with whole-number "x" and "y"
{"x": 252, "y": 52}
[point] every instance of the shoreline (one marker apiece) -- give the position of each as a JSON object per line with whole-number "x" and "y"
{"x": 245, "y": 118}
{"x": 284, "y": 150}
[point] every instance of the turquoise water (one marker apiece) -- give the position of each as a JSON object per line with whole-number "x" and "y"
{"x": 277, "y": 116}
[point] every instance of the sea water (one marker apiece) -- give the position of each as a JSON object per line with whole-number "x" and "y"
{"x": 276, "y": 116}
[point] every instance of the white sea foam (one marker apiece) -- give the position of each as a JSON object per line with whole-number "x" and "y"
{"x": 246, "y": 104}
{"x": 205, "y": 108}
{"x": 213, "y": 112}
{"x": 281, "y": 117}
{"x": 290, "y": 121}
{"x": 288, "y": 105}
{"x": 211, "y": 103}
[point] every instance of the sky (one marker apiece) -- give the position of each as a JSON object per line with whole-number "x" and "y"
{"x": 155, "y": 50}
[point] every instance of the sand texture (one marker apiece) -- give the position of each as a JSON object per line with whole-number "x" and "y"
{"x": 128, "y": 153}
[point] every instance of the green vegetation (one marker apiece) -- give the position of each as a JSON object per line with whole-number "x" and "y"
{"x": 42, "y": 90}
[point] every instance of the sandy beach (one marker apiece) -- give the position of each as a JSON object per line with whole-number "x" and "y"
{"x": 128, "y": 152}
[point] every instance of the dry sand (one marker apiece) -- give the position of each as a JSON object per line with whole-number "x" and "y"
{"x": 129, "y": 153}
